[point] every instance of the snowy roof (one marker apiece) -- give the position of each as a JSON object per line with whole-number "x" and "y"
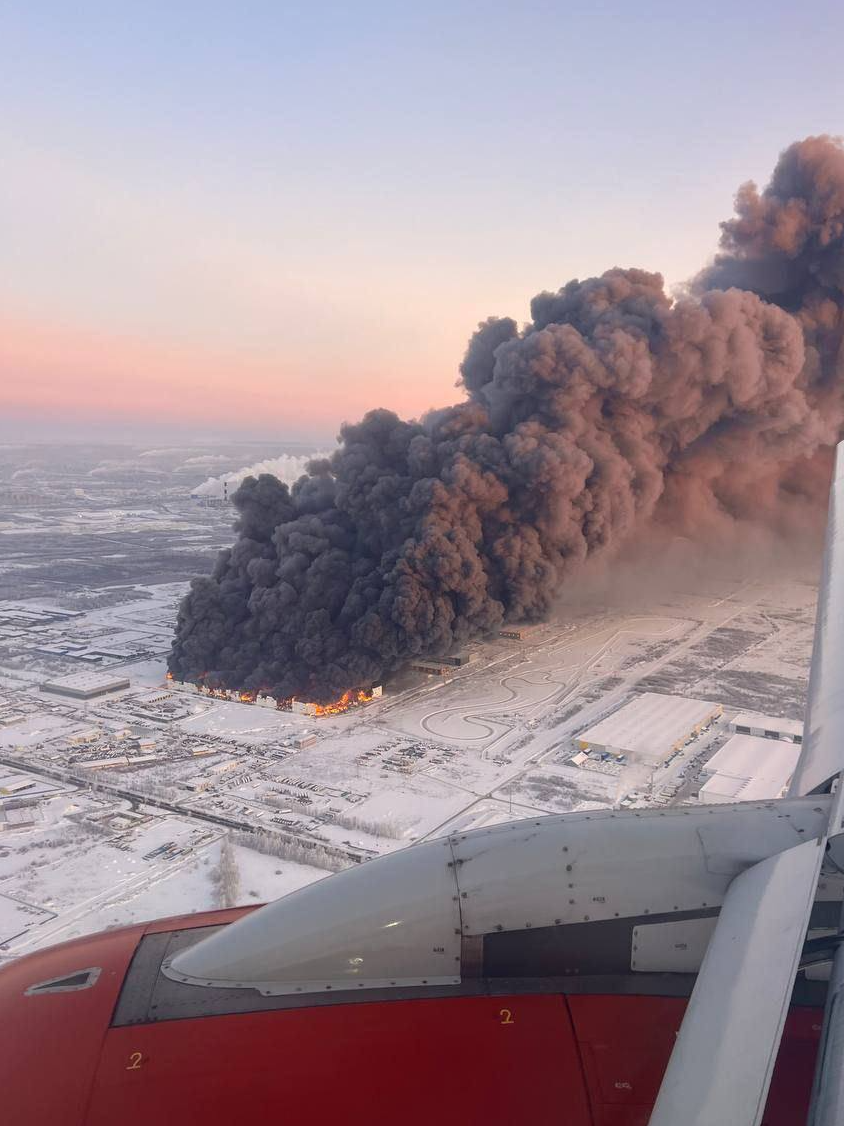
{"x": 725, "y": 786}
{"x": 745, "y": 756}
{"x": 748, "y": 767}
{"x": 87, "y": 682}
{"x": 768, "y": 723}
{"x": 650, "y": 724}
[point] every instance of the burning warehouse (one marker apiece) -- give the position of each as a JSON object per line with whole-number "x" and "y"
{"x": 353, "y": 698}
{"x": 618, "y": 412}
{"x": 350, "y": 699}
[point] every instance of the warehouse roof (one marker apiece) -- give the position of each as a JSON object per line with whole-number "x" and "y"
{"x": 749, "y": 767}
{"x": 768, "y": 723}
{"x": 650, "y": 724}
{"x": 83, "y": 682}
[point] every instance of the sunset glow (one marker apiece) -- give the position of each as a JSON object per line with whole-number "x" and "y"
{"x": 290, "y": 218}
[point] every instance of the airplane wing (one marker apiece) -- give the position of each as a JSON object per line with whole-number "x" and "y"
{"x": 822, "y": 757}
{"x": 721, "y": 1065}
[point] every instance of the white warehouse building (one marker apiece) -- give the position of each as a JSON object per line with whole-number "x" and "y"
{"x": 650, "y": 728}
{"x": 767, "y": 727}
{"x": 749, "y": 768}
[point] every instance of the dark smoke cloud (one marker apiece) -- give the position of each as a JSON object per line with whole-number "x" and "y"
{"x": 616, "y": 410}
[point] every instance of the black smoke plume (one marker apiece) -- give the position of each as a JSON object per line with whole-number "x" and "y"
{"x": 615, "y": 410}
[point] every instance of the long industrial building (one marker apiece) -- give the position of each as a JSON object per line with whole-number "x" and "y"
{"x": 650, "y": 727}
{"x": 86, "y": 685}
{"x": 767, "y": 727}
{"x": 749, "y": 768}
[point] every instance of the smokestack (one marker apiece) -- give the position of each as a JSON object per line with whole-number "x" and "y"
{"x": 615, "y": 410}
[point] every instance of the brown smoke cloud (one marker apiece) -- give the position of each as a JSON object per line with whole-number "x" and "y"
{"x": 614, "y": 410}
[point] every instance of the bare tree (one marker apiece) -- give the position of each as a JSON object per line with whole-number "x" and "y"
{"x": 287, "y": 848}
{"x": 227, "y": 876}
{"x": 388, "y": 827}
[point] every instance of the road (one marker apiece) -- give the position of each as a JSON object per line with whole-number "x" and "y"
{"x": 544, "y": 743}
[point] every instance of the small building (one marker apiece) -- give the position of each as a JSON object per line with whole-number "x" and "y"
{"x": 154, "y": 696}
{"x": 431, "y": 668}
{"x": 141, "y": 731}
{"x": 580, "y": 758}
{"x": 650, "y": 728}
{"x": 20, "y": 815}
{"x": 766, "y": 727}
{"x": 119, "y": 731}
{"x": 90, "y": 735}
{"x": 116, "y": 762}
{"x": 517, "y": 632}
{"x": 8, "y": 719}
{"x": 17, "y": 786}
{"x": 196, "y": 784}
{"x": 303, "y": 741}
{"x": 114, "y": 652}
{"x": 301, "y": 707}
{"x": 749, "y": 768}
{"x": 85, "y": 685}
{"x": 223, "y": 767}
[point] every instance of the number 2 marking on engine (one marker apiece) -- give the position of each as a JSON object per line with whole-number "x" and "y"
{"x": 136, "y": 1059}
{"x": 506, "y": 1016}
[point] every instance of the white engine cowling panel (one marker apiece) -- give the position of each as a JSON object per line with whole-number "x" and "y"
{"x": 394, "y": 921}
{"x": 399, "y": 920}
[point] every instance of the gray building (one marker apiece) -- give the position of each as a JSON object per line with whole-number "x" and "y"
{"x": 86, "y": 685}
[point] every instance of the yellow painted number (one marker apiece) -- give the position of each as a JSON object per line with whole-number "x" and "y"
{"x": 506, "y": 1016}
{"x": 135, "y": 1061}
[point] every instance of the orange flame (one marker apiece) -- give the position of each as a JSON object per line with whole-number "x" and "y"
{"x": 350, "y": 699}
{"x": 353, "y": 698}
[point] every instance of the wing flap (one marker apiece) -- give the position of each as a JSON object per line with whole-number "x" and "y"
{"x": 822, "y": 756}
{"x": 720, "y": 1068}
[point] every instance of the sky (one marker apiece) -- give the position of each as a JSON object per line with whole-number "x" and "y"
{"x": 266, "y": 218}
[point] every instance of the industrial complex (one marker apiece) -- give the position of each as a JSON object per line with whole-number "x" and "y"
{"x": 119, "y": 785}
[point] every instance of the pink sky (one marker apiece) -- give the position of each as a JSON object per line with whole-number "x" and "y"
{"x": 55, "y": 373}
{"x": 271, "y": 224}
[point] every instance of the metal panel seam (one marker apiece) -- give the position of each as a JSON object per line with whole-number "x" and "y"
{"x": 580, "y": 1062}
{"x": 455, "y": 864}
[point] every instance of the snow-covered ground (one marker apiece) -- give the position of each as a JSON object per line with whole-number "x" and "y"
{"x": 114, "y": 840}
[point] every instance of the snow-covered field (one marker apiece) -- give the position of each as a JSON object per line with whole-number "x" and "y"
{"x": 132, "y": 792}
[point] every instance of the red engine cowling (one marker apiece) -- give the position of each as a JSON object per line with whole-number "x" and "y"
{"x": 581, "y": 1059}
